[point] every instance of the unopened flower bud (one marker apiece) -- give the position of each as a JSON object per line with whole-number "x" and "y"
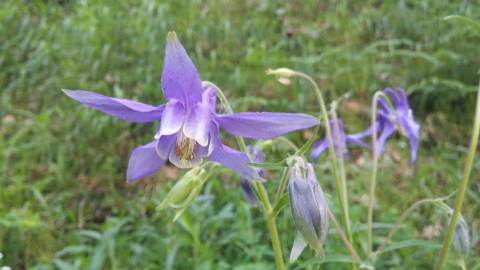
{"x": 461, "y": 238}
{"x": 185, "y": 191}
{"x": 309, "y": 208}
{"x": 281, "y": 72}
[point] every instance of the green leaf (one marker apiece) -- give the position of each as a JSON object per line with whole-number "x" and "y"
{"x": 475, "y": 25}
{"x": 282, "y": 202}
{"x": 271, "y": 166}
{"x": 309, "y": 143}
{"x": 411, "y": 243}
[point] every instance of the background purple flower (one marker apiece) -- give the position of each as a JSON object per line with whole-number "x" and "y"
{"x": 189, "y": 129}
{"x": 398, "y": 118}
{"x": 256, "y": 154}
{"x": 340, "y": 140}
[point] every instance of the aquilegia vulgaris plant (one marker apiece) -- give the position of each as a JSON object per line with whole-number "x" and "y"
{"x": 189, "y": 129}
{"x": 189, "y": 137}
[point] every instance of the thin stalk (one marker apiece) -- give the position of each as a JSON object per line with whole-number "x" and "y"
{"x": 339, "y": 187}
{"x": 344, "y": 238}
{"x": 260, "y": 189}
{"x": 284, "y": 180}
{"x": 463, "y": 187}
{"x": 281, "y": 187}
{"x": 404, "y": 216}
{"x": 272, "y": 226}
{"x": 373, "y": 179}
{"x": 341, "y": 168}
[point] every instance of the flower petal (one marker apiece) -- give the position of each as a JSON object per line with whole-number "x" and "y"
{"x": 248, "y": 191}
{"x": 318, "y": 148}
{"x": 180, "y": 79}
{"x": 230, "y": 158}
{"x": 164, "y": 145}
{"x": 124, "y": 109}
{"x": 234, "y": 160}
{"x": 172, "y": 118}
{"x": 264, "y": 125}
{"x": 387, "y": 131}
{"x": 299, "y": 245}
{"x": 412, "y": 131}
{"x": 143, "y": 161}
{"x": 197, "y": 124}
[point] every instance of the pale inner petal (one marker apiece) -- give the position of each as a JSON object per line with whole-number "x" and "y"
{"x": 196, "y": 125}
{"x": 172, "y": 118}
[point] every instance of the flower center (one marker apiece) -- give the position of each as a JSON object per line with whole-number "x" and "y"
{"x": 185, "y": 148}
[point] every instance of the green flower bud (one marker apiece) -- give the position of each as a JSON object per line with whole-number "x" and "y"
{"x": 185, "y": 191}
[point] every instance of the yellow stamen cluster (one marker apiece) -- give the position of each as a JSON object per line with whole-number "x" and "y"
{"x": 185, "y": 148}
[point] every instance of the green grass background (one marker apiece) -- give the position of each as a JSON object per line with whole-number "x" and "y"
{"x": 64, "y": 201}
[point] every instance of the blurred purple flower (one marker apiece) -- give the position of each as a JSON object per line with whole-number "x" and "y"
{"x": 189, "y": 129}
{"x": 309, "y": 208}
{"x": 256, "y": 154}
{"x": 399, "y": 118}
{"x": 340, "y": 141}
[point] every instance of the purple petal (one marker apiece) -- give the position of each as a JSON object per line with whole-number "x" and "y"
{"x": 264, "y": 125}
{"x": 144, "y": 161}
{"x": 233, "y": 160}
{"x": 124, "y": 109}
{"x": 387, "y": 131}
{"x": 318, "y": 148}
{"x": 164, "y": 145}
{"x": 197, "y": 124}
{"x": 172, "y": 118}
{"x": 180, "y": 79}
{"x": 230, "y": 158}
{"x": 412, "y": 131}
{"x": 248, "y": 191}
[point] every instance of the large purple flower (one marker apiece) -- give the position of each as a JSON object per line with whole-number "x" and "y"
{"x": 399, "y": 118}
{"x": 189, "y": 129}
{"x": 340, "y": 140}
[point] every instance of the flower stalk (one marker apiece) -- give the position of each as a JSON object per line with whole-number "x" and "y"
{"x": 463, "y": 187}
{"x": 373, "y": 179}
{"x": 331, "y": 148}
{"x": 260, "y": 189}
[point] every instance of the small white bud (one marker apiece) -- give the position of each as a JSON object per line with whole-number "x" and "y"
{"x": 281, "y": 72}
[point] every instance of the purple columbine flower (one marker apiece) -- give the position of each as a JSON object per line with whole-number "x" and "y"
{"x": 189, "y": 129}
{"x": 399, "y": 118}
{"x": 256, "y": 154}
{"x": 309, "y": 208}
{"x": 340, "y": 141}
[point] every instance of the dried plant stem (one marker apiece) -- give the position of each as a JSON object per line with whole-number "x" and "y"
{"x": 463, "y": 187}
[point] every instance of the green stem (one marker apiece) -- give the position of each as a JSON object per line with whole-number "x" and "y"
{"x": 404, "y": 216}
{"x": 338, "y": 181}
{"x": 260, "y": 189}
{"x": 272, "y": 226}
{"x": 463, "y": 187}
{"x": 344, "y": 238}
{"x": 343, "y": 176}
{"x": 373, "y": 179}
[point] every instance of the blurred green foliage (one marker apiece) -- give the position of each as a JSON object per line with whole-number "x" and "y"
{"x": 64, "y": 203}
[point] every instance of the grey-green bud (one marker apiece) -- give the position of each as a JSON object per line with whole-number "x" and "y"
{"x": 309, "y": 208}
